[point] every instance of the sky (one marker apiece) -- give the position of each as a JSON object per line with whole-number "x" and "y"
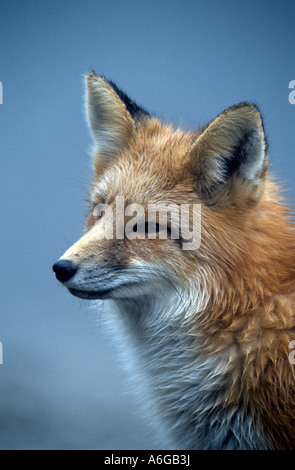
{"x": 61, "y": 384}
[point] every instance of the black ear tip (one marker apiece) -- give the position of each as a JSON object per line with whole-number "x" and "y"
{"x": 92, "y": 76}
{"x": 136, "y": 111}
{"x": 250, "y": 105}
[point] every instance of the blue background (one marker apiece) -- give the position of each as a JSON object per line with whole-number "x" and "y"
{"x": 61, "y": 384}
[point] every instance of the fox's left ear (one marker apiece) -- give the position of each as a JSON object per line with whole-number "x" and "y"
{"x": 111, "y": 124}
{"x": 112, "y": 117}
{"x": 231, "y": 149}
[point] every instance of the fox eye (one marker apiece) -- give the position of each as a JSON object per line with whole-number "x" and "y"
{"x": 148, "y": 227}
{"x": 152, "y": 227}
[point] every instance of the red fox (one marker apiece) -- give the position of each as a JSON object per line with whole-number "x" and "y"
{"x": 208, "y": 330}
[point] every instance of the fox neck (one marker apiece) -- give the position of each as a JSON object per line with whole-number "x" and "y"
{"x": 175, "y": 376}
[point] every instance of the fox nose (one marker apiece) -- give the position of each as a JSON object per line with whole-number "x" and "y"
{"x": 64, "y": 270}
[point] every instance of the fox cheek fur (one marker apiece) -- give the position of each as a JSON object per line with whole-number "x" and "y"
{"x": 207, "y": 331}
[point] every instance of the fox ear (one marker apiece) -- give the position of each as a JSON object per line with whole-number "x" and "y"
{"x": 111, "y": 122}
{"x": 231, "y": 149}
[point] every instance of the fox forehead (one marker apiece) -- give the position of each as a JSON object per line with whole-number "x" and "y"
{"x": 151, "y": 168}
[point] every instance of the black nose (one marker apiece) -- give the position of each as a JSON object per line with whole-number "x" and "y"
{"x": 64, "y": 270}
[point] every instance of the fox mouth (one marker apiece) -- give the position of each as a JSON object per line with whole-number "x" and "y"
{"x": 90, "y": 295}
{"x": 119, "y": 291}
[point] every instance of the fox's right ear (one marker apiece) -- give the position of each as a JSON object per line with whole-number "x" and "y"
{"x": 229, "y": 158}
{"x": 111, "y": 123}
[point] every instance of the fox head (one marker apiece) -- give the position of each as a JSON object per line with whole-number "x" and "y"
{"x": 140, "y": 162}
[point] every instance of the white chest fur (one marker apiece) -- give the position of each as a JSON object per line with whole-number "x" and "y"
{"x": 181, "y": 389}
